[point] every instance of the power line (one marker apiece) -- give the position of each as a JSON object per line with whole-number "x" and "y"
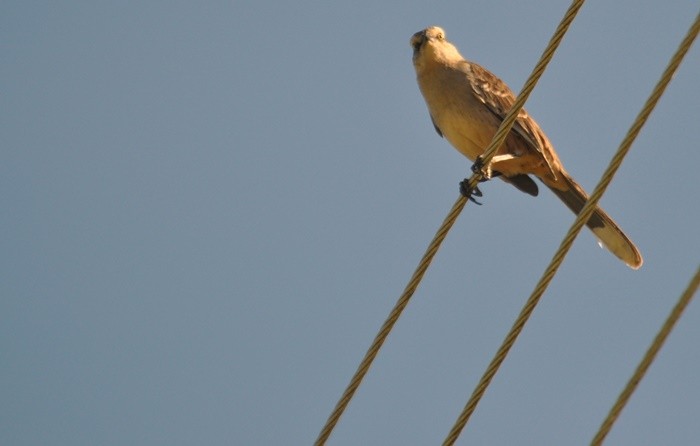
{"x": 580, "y": 220}
{"x": 556, "y": 261}
{"x": 648, "y": 358}
{"x": 497, "y": 141}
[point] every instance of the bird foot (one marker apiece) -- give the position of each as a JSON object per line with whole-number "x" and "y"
{"x": 468, "y": 192}
{"x": 483, "y": 171}
{"x": 479, "y": 169}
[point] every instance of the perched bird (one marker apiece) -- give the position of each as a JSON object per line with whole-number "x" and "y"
{"x": 467, "y": 103}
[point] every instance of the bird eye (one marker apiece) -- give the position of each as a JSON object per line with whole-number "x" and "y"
{"x": 440, "y": 36}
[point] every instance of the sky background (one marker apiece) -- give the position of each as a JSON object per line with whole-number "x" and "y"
{"x": 209, "y": 209}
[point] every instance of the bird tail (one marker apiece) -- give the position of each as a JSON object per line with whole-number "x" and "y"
{"x": 600, "y": 223}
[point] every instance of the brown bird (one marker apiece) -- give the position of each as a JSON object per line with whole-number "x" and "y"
{"x": 467, "y": 103}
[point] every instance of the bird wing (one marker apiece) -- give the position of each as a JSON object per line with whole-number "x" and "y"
{"x": 498, "y": 99}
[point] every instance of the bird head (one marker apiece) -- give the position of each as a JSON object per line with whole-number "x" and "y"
{"x": 430, "y": 44}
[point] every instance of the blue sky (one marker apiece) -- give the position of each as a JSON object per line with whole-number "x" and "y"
{"x": 209, "y": 210}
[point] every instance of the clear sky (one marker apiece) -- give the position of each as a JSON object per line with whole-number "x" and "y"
{"x": 209, "y": 208}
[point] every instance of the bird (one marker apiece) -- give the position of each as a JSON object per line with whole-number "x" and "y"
{"x": 467, "y": 103}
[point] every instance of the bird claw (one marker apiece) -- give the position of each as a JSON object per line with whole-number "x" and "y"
{"x": 468, "y": 192}
{"x": 485, "y": 173}
{"x": 478, "y": 168}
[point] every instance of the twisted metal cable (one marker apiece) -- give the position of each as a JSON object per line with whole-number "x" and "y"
{"x": 648, "y": 358}
{"x": 529, "y": 85}
{"x": 568, "y": 240}
{"x": 447, "y": 224}
{"x": 390, "y": 321}
{"x": 673, "y": 317}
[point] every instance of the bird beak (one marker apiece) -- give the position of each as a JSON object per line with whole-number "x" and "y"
{"x": 417, "y": 41}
